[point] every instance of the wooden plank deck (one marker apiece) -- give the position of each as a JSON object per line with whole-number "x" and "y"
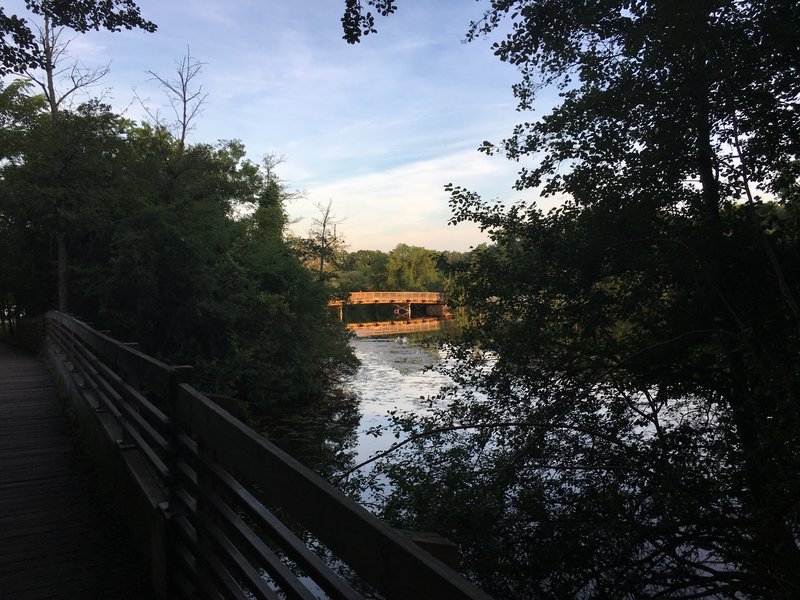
{"x": 58, "y": 537}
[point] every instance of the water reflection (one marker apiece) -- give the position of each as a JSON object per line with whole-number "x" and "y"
{"x": 331, "y": 436}
{"x": 321, "y": 435}
{"x": 393, "y": 376}
{"x": 397, "y": 327}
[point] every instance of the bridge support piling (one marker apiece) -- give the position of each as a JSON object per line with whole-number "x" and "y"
{"x": 402, "y": 311}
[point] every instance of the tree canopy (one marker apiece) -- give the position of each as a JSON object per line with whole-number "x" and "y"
{"x": 627, "y": 422}
{"x": 19, "y": 46}
{"x": 158, "y": 253}
{"x": 405, "y": 267}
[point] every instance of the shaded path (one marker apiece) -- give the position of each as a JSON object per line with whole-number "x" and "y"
{"x": 57, "y": 539}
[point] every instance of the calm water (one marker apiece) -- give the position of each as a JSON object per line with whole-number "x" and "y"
{"x": 392, "y": 376}
{"x": 331, "y": 436}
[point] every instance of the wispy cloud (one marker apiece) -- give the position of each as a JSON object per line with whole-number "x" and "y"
{"x": 407, "y": 204}
{"x": 379, "y": 127}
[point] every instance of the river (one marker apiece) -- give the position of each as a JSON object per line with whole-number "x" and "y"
{"x": 393, "y": 376}
{"x": 333, "y": 436}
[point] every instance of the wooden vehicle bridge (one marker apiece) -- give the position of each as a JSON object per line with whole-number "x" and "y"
{"x": 435, "y": 302}
{"x": 214, "y": 509}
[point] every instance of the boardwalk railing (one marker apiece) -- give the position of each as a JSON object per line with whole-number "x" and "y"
{"x": 220, "y": 511}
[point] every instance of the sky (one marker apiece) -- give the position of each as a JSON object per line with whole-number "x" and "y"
{"x": 377, "y": 128}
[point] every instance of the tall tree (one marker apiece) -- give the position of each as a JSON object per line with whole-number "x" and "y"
{"x": 325, "y": 243}
{"x": 636, "y": 428}
{"x": 54, "y": 175}
{"x": 185, "y": 100}
{"x": 49, "y": 78}
{"x": 41, "y": 55}
{"x": 21, "y": 268}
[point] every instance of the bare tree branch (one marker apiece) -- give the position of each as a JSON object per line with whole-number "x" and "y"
{"x": 58, "y": 67}
{"x": 323, "y": 236}
{"x": 186, "y": 103}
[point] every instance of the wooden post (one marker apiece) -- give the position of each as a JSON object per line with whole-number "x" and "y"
{"x": 437, "y": 546}
{"x": 163, "y": 578}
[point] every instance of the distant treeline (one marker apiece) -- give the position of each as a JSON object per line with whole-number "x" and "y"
{"x": 405, "y": 267}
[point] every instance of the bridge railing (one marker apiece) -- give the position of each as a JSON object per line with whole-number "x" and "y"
{"x": 220, "y": 510}
{"x": 391, "y": 298}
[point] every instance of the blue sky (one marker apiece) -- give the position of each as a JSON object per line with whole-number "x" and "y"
{"x": 378, "y": 127}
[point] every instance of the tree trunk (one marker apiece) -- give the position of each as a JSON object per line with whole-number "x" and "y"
{"x": 776, "y": 553}
{"x": 704, "y": 153}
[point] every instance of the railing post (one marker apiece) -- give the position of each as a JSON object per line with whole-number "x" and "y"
{"x": 205, "y": 515}
{"x": 177, "y": 376}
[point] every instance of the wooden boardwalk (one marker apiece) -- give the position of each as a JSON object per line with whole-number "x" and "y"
{"x": 57, "y": 535}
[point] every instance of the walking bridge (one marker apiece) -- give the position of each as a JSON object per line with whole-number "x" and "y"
{"x": 216, "y": 509}
{"x": 56, "y": 539}
{"x": 435, "y": 302}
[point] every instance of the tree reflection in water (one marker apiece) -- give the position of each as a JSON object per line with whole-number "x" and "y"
{"x": 322, "y": 435}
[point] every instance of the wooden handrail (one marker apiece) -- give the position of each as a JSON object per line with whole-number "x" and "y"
{"x": 133, "y": 365}
{"x": 391, "y": 298}
{"x": 219, "y": 477}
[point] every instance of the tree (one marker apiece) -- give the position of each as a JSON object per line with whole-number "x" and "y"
{"x": 631, "y": 422}
{"x": 159, "y": 252}
{"x": 185, "y": 101}
{"x": 54, "y": 175}
{"x": 324, "y": 243}
{"x": 363, "y": 270}
{"x": 41, "y": 58}
{"x": 54, "y": 54}
{"x": 412, "y": 268}
{"x": 19, "y": 48}
{"x": 53, "y": 68}
{"x": 289, "y": 325}
{"x": 195, "y": 283}
{"x": 21, "y": 269}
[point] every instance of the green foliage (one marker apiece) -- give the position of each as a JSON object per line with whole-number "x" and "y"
{"x": 19, "y": 47}
{"x": 363, "y": 270}
{"x": 55, "y": 174}
{"x": 404, "y": 268}
{"x": 626, "y": 423}
{"x": 157, "y": 255}
{"x": 21, "y": 273}
{"x": 412, "y": 268}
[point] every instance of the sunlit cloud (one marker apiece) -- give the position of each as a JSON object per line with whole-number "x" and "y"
{"x": 379, "y": 127}
{"x": 408, "y": 204}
